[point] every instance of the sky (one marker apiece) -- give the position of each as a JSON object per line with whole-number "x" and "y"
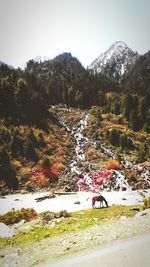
{"x": 86, "y": 28}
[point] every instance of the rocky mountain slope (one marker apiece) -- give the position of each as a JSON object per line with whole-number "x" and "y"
{"x": 115, "y": 61}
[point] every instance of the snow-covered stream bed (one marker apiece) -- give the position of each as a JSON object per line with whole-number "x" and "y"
{"x": 81, "y": 142}
{"x": 68, "y": 202}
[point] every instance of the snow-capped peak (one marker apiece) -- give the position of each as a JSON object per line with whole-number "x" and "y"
{"x": 40, "y": 59}
{"x": 116, "y": 47}
{"x": 114, "y": 62}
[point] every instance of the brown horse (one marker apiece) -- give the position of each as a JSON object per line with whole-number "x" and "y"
{"x": 101, "y": 199}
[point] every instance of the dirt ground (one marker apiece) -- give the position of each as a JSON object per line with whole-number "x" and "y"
{"x": 56, "y": 248}
{"x": 125, "y": 253}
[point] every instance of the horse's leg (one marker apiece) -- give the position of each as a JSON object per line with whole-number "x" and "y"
{"x": 106, "y": 203}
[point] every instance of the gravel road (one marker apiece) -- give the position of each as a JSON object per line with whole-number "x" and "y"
{"x": 133, "y": 252}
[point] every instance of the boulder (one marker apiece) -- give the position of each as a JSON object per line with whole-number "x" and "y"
{"x": 77, "y": 202}
{"x": 5, "y": 231}
{"x": 49, "y": 216}
{"x": 143, "y": 213}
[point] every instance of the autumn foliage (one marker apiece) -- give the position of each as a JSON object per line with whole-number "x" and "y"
{"x": 112, "y": 164}
{"x": 41, "y": 176}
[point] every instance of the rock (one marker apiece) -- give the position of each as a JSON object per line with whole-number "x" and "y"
{"x": 47, "y": 235}
{"x": 143, "y": 213}
{"x": 58, "y": 220}
{"x": 49, "y": 216}
{"x": 77, "y": 202}
{"x": 5, "y": 231}
{"x": 53, "y": 224}
{"x": 124, "y": 188}
{"x": 95, "y": 219}
{"x": 19, "y": 224}
{"x": 68, "y": 248}
{"x": 136, "y": 209}
{"x": 73, "y": 243}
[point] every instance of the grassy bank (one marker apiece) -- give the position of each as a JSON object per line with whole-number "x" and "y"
{"x": 77, "y": 221}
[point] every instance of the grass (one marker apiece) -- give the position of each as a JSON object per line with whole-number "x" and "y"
{"x": 78, "y": 221}
{"x": 146, "y": 203}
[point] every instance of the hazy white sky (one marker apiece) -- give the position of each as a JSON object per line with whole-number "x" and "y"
{"x": 86, "y": 28}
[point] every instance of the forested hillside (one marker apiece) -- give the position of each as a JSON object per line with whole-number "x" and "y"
{"x": 137, "y": 78}
{"x": 65, "y": 80}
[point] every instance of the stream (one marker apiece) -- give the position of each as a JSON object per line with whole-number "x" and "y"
{"x": 118, "y": 180}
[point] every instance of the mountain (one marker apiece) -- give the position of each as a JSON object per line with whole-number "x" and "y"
{"x": 115, "y": 61}
{"x": 62, "y": 77}
{"x": 3, "y": 63}
{"x": 138, "y": 75}
{"x": 40, "y": 59}
{"x": 62, "y": 64}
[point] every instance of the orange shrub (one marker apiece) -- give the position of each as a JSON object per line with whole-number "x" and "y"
{"x": 92, "y": 119}
{"x": 132, "y": 176}
{"x": 56, "y": 168}
{"x": 91, "y": 154}
{"x": 75, "y": 117}
{"x": 16, "y": 164}
{"x": 24, "y": 171}
{"x": 112, "y": 164}
{"x": 58, "y": 159}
